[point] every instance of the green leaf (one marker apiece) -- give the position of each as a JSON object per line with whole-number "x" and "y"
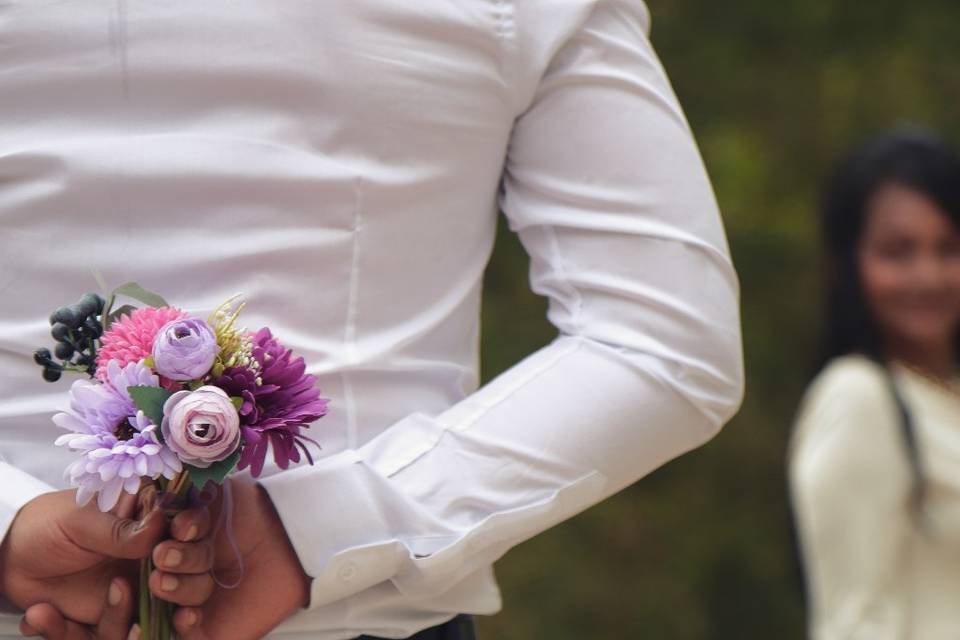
{"x": 237, "y": 402}
{"x": 105, "y": 316}
{"x": 126, "y": 309}
{"x": 135, "y": 291}
{"x": 216, "y": 472}
{"x": 150, "y": 400}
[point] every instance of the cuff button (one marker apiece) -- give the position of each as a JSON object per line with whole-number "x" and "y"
{"x": 347, "y": 572}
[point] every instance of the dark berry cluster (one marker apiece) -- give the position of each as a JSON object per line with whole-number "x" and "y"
{"x": 76, "y": 330}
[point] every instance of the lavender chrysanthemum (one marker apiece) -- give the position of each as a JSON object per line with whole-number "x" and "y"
{"x": 279, "y": 401}
{"x": 119, "y": 443}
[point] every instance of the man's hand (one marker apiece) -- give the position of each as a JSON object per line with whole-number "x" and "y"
{"x": 66, "y": 557}
{"x": 44, "y": 619}
{"x": 273, "y": 585}
{"x": 192, "y": 525}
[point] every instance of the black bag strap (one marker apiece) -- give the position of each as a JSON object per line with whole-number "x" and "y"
{"x": 908, "y": 433}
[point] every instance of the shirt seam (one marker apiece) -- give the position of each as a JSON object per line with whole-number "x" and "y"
{"x": 505, "y": 32}
{"x": 350, "y": 323}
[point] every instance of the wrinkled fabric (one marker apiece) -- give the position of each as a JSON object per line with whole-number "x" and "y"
{"x": 342, "y": 165}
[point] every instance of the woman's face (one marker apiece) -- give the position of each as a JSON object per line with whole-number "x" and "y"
{"x": 909, "y": 258}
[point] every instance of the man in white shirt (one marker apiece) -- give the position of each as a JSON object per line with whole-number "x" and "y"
{"x": 342, "y": 164}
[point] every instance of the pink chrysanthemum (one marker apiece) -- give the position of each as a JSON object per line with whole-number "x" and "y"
{"x": 130, "y": 337}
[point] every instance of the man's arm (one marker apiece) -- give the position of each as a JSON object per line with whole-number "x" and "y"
{"x": 606, "y": 189}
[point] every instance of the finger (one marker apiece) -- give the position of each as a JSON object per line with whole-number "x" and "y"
{"x": 46, "y": 621}
{"x": 26, "y": 629}
{"x": 106, "y": 534}
{"x": 187, "y": 622}
{"x": 182, "y": 589}
{"x": 128, "y": 504}
{"x": 134, "y": 633}
{"x": 191, "y": 524}
{"x": 184, "y": 557}
{"x": 118, "y": 614}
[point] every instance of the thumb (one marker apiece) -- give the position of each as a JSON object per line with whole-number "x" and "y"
{"x": 45, "y": 620}
{"x": 115, "y": 537}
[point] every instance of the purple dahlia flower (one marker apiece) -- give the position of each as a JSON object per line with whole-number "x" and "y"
{"x": 274, "y": 411}
{"x": 119, "y": 443}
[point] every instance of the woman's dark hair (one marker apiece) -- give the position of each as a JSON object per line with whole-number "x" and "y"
{"x": 912, "y": 157}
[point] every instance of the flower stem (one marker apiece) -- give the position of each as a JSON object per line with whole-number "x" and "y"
{"x": 162, "y": 610}
{"x": 180, "y": 484}
{"x": 165, "y": 615}
{"x": 74, "y": 369}
{"x": 155, "y": 614}
{"x": 155, "y": 619}
{"x": 145, "y": 569}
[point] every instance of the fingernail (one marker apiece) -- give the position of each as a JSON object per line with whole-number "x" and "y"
{"x": 190, "y": 618}
{"x": 114, "y": 594}
{"x": 169, "y": 582}
{"x": 191, "y": 533}
{"x": 173, "y": 558}
{"x": 134, "y": 633}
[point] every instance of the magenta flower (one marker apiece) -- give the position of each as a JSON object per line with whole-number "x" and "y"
{"x": 119, "y": 443}
{"x": 275, "y": 411}
{"x": 201, "y": 426}
{"x": 185, "y": 349}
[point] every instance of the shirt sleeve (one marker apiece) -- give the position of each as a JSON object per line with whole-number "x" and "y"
{"x": 606, "y": 189}
{"x": 850, "y": 483}
{"x": 17, "y": 488}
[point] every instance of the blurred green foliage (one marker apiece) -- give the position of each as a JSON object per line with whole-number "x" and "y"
{"x": 775, "y": 92}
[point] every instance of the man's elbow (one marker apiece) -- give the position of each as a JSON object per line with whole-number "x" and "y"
{"x": 709, "y": 375}
{"x": 723, "y": 387}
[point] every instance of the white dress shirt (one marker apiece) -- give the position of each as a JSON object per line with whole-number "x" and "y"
{"x": 872, "y": 573}
{"x": 342, "y": 164}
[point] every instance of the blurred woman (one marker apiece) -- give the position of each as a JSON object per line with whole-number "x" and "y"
{"x": 874, "y": 462}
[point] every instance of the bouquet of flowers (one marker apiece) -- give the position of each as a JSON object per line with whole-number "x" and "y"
{"x": 175, "y": 401}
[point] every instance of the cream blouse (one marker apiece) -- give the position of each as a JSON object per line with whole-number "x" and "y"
{"x": 871, "y": 572}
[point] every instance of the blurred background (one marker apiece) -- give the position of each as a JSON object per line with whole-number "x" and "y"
{"x": 774, "y": 91}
